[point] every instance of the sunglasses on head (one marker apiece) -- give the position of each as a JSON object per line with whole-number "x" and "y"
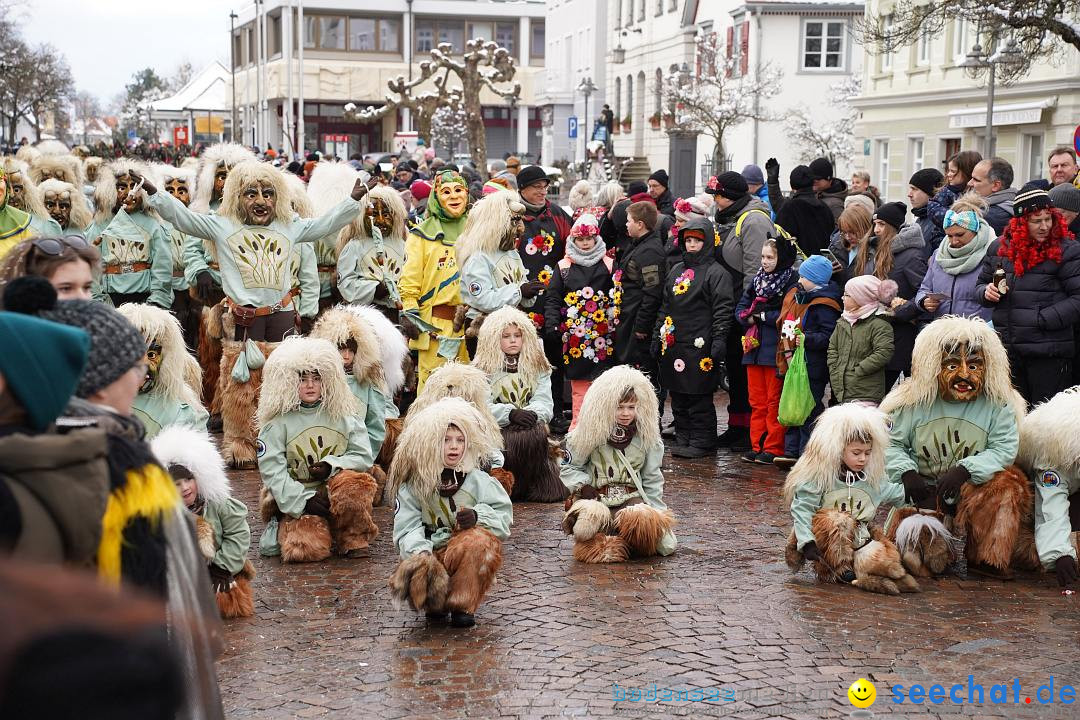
{"x": 55, "y": 246}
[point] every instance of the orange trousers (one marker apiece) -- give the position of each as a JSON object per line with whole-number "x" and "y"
{"x": 766, "y": 432}
{"x": 578, "y": 388}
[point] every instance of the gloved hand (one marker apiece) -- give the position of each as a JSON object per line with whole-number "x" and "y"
{"x": 950, "y": 482}
{"x": 466, "y": 518}
{"x": 148, "y": 187}
{"x": 221, "y": 580}
{"x": 531, "y": 289}
{"x": 319, "y": 471}
{"x": 381, "y": 291}
{"x": 772, "y": 169}
{"x": 522, "y": 418}
{"x": 1067, "y": 571}
{"x": 588, "y": 492}
{"x": 810, "y": 551}
{"x": 204, "y": 285}
{"x": 306, "y": 323}
{"x": 319, "y": 504}
{"x": 915, "y": 486}
{"x": 411, "y": 331}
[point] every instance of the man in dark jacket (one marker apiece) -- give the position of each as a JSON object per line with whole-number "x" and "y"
{"x": 613, "y": 228}
{"x": 828, "y": 189}
{"x": 992, "y": 180}
{"x": 658, "y": 189}
{"x": 803, "y": 214}
{"x": 923, "y": 186}
{"x": 643, "y": 268}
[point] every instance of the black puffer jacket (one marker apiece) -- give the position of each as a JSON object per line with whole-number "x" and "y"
{"x": 1037, "y": 314}
{"x": 643, "y": 269}
{"x": 807, "y": 218}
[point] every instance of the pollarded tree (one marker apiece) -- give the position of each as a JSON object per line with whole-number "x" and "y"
{"x": 448, "y": 123}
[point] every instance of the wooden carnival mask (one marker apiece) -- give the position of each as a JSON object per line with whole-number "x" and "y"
{"x": 153, "y": 366}
{"x": 258, "y": 202}
{"x": 452, "y": 194}
{"x": 179, "y": 190}
{"x": 962, "y": 374}
{"x": 59, "y": 206}
{"x": 517, "y": 227}
{"x": 132, "y": 202}
{"x": 16, "y": 191}
{"x": 378, "y": 214}
{"x": 220, "y": 176}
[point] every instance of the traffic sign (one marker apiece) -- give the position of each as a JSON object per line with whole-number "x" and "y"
{"x": 572, "y": 126}
{"x": 1076, "y": 138}
{"x": 180, "y": 135}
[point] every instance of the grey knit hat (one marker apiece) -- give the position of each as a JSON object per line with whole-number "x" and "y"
{"x": 1066, "y": 196}
{"x": 115, "y": 344}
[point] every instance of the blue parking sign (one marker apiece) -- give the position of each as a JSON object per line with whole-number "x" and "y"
{"x": 572, "y": 126}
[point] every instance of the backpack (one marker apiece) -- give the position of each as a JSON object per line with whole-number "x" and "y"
{"x": 778, "y": 231}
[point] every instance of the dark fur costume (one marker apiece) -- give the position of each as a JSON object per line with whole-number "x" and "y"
{"x": 453, "y": 579}
{"x": 926, "y": 548}
{"x": 533, "y": 460}
{"x": 604, "y": 537}
{"x": 209, "y": 354}
{"x": 997, "y": 519}
{"x": 238, "y": 402}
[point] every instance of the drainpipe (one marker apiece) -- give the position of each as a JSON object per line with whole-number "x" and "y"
{"x": 757, "y": 70}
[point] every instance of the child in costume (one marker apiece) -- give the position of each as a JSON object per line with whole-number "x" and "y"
{"x": 394, "y": 362}
{"x": 450, "y": 517}
{"x": 616, "y": 506}
{"x": 758, "y": 311}
{"x": 430, "y": 284}
{"x": 180, "y": 183}
{"x": 169, "y": 395}
{"x": 509, "y": 352}
{"x": 692, "y": 329}
{"x": 313, "y": 456}
{"x": 371, "y": 253}
{"x": 135, "y": 252}
{"x": 254, "y": 234}
{"x": 833, "y": 493}
{"x": 862, "y": 341}
{"x": 221, "y": 520}
{"x": 1050, "y": 455}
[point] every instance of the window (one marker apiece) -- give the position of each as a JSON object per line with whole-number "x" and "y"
{"x": 883, "y": 163}
{"x": 618, "y": 13}
{"x": 1033, "y": 158}
{"x": 273, "y": 35}
{"x": 252, "y": 55}
{"x": 536, "y": 42}
{"x": 823, "y": 44}
{"x": 641, "y": 10}
{"x": 618, "y": 100}
{"x": 886, "y": 57}
{"x": 960, "y": 44}
{"x": 362, "y": 34}
{"x": 915, "y": 152}
{"x": 237, "y": 49}
{"x": 431, "y": 33}
{"x": 659, "y": 8}
{"x": 331, "y": 33}
{"x": 629, "y": 96}
{"x": 629, "y": 12}
{"x": 673, "y": 5}
{"x": 506, "y": 36}
{"x": 390, "y": 35}
{"x": 482, "y": 30}
{"x": 735, "y": 48}
{"x": 922, "y": 51}
{"x": 659, "y": 92}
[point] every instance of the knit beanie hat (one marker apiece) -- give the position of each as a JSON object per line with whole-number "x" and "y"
{"x": 862, "y": 199}
{"x": 41, "y": 363}
{"x": 661, "y": 177}
{"x": 635, "y": 187}
{"x": 928, "y": 180}
{"x": 531, "y": 174}
{"x": 690, "y": 208}
{"x": 585, "y": 226}
{"x": 892, "y": 213}
{"x": 115, "y": 344}
{"x": 817, "y": 269}
{"x": 752, "y": 174}
{"x": 868, "y": 289}
{"x": 801, "y": 178}
{"x": 420, "y": 189}
{"x": 728, "y": 184}
{"x": 1030, "y": 198}
{"x": 1065, "y": 196}
{"x": 821, "y": 169}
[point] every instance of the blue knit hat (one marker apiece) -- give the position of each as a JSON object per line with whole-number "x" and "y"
{"x": 42, "y": 362}
{"x": 817, "y": 269}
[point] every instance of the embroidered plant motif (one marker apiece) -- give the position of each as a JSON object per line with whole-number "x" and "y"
{"x": 261, "y": 256}
{"x": 376, "y": 267}
{"x": 176, "y": 241}
{"x": 311, "y": 446}
{"x": 126, "y": 250}
{"x": 511, "y": 389}
{"x": 509, "y": 271}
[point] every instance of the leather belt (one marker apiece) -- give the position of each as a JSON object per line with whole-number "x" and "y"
{"x": 243, "y": 310}
{"x": 444, "y": 312}
{"x": 116, "y": 268}
{"x": 326, "y": 268}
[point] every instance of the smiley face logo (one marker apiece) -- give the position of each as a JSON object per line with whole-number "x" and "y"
{"x": 862, "y": 693}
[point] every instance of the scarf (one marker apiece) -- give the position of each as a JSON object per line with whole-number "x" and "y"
{"x": 732, "y": 211}
{"x": 862, "y": 313}
{"x": 585, "y": 259}
{"x": 621, "y": 435}
{"x": 450, "y": 482}
{"x": 770, "y": 284}
{"x": 962, "y": 260}
{"x": 533, "y": 209}
{"x": 510, "y": 363}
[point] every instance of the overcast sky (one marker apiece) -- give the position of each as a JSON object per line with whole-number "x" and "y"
{"x": 107, "y": 41}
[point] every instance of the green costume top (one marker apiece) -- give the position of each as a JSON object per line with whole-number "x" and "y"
{"x": 156, "y": 411}
{"x": 232, "y": 535}
{"x": 178, "y": 242}
{"x": 979, "y": 435}
{"x": 1053, "y": 526}
{"x": 511, "y": 391}
{"x": 635, "y": 473}
{"x": 197, "y": 257}
{"x": 364, "y": 263}
{"x": 326, "y": 260}
{"x": 425, "y": 524}
{"x": 18, "y": 225}
{"x": 848, "y": 493}
{"x": 491, "y": 281}
{"x": 305, "y": 276}
{"x": 129, "y": 238}
{"x": 254, "y": 259}
{"x": 372, "y": 411}
{"x": 290, "y": 443}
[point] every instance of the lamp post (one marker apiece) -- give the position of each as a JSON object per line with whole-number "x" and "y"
{"x": 586, "y": 87}
{"x": 976, "y": 60}
{"x": 232, "y": 54}
{"x": 513, "y": 101}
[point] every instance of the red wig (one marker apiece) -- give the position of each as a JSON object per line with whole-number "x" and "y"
{"x": 1025, "y": 253}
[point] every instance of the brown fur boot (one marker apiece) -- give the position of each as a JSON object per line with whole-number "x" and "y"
{"x": 471, "y": 558}
{"x": 504, "y": 478}
{"x": 878, "y": 567}
{"x": 238, "y": 402}
{"x": 304, "y": 539}
{"x": 926, "y": 548}
{"x": 209, "y": 354}
{"x": 421, "y": 582}
{"x": 386, "y": 452}
{"x": 380, "y": 484}
{"x": 792, "y": 556}
{"x": 834, "y": 535}
{"x": 641, "y": 527}
{"x": 586, "y": 518}
{"x": 239, "y": 600}
{"x": 601, "y": 548}
{"x": 351, "y": 494}
{"x": 268, "y": 509}
{"x": 991, "y": 516}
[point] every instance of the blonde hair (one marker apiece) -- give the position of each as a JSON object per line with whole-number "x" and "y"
{"x": 81, "y": 216}
{"x": 179, "y": 377}
{"x": 105, "y": 187}
{"x": 489, "y": 354}
{"x": 281, "y": 378}
{"x": 31, "y": 194}
{"x": 1048, "y": 439}
{"x": 463, "y": 381}
{"x": 489, "y": 221}
{"x": 392, "y": 200}
{"x": 972, "y": 201}
{"x": 217, "y": 155}
{"x": 601, "y": 403}
{"x": 338, "y": 326}
{"x": 246, "y": 174}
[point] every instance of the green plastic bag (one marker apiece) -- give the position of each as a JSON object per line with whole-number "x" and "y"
{"x": 796, "y": 400}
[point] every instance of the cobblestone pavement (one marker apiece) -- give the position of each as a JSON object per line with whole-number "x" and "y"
{"x": 554, "y": 637}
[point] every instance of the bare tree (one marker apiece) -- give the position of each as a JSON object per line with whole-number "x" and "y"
{"x": 448, "y": 123}
{"x": 181, "y": 76}
{"x": 1039, "y": 27}
{"x": 85, "y": 108}
{"x": 34, "y": 82}
{"x": 819, "y": 137}
{"x": 719, "y": 98}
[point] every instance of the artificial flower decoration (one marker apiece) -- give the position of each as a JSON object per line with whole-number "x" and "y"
{"x": 706, "y": 365}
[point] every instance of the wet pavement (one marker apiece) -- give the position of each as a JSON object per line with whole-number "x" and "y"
{"x": 723, "y": 616}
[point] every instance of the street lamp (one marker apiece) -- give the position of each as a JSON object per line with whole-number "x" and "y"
{"x": 235, "y": 59}
{"x": 976, "y": 60}
{"x": 513, "y": 101}
{"x": 587, "y": 87}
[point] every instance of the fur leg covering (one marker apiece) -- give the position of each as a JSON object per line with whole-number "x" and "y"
{"x": 386, "y": 452}
{"x": 601, "y": 548}
{"x": 505, "y": 478}
{"x": 380, "y": 484}
{"x": 536, "y": 471}
{"x": 351, "y": 494}
{"x": 792, "y": 556}
{"x": 239, "y": 600}
{"x": 834, "y": 535}
{"x": 304, "y": 539}
{"x": 204, "y": 536}
{"x": 238, "y": 404}
{"x": 878, "y": 567}
{"x": 472, "y": 558}
{"x": 421, "y": 582}
{"x": 926, "y": 548}
{"x": 268, "y": 509}
{"x": 210, "y": 356}
{"x": 992, "y": 514}
{"x": 642, "y": 526}
{"x": 586, "y": 518}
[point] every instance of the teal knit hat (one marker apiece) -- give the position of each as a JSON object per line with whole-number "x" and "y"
{"x": 42, "y": 362}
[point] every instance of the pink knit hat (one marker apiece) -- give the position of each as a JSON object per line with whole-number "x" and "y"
{"x": 868, "y": 290}
{"x": 420, "y": 189}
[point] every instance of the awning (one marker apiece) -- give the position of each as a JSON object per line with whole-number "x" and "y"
{"x": 1005, "y": 114}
